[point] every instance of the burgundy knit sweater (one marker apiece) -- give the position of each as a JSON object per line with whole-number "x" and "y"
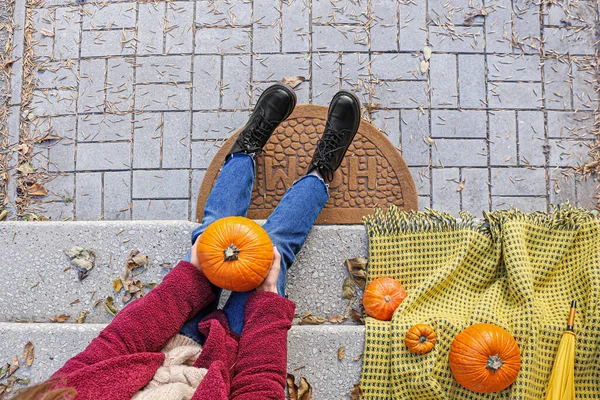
{"x": 127, "y": 353}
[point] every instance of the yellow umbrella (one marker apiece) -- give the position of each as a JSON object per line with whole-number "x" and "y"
{"x": 562, "y": 381}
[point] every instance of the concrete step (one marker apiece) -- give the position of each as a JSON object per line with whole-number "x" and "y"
{"x": 312, "y": 353}
{"x": 37, "y": 287}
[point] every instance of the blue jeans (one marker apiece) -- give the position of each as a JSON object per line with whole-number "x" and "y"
{"x": 288, "y": 226}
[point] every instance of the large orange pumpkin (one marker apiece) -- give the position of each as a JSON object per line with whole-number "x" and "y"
{"x": 235, "y": 253}
{"x": 382, "y": 297}
{"x": 420, "y": 339}
{"x": 485, "y": 358}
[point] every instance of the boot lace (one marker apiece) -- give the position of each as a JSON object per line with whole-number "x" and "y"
{"x": 259, "y": 130}
{"x": 327, "y": 146}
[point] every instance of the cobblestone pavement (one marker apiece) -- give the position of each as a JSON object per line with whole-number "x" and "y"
{"x": 121, "y": 105}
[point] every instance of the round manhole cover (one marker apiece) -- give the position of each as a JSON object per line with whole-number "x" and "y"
{"x": 373, "y": 174}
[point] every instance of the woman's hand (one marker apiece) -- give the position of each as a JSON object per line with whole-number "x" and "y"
{"x": 270, "y": 282}
{"x": 194, "y": 256}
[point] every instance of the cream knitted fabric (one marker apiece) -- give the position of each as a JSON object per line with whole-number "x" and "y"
{"x": 176, "y": 378}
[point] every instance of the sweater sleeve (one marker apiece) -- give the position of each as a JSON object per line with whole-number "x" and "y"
{"x": 261, "y": 365}
{"x": 148, "y": 323}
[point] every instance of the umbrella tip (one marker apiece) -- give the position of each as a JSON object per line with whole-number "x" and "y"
{"x": 574, "y": 304}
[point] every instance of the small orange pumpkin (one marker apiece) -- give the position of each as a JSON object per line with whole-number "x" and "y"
{"x": 420, "y": 339}
{"x": 485, "y": 358}
{"x": 235, "y": 253}
{"x": 382, "y": 297}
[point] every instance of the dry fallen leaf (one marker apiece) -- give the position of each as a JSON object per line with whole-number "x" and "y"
{"x": 356, "y": 316}
{"x": 136, "y": 261}
{"x": 424, "y": 66}
{"x": 482, "y": 12}
{"x": 292, "y": 387}
{"x": 293, "y": 81}
{"x": 357, "y": 267}
{"x": 60, "y": 318}
{"x": 429, "y": 140}
{"x": 47, "y": 32}
{"x": 81, "y": 318}
{"x": 335, "y": 319}
{"x": 341, "y": 353}
{"x": 117, "y": 285}
{"x": 348, "y": 288}
{"x": 13, "y": 366}
{"x": 461, "y": 186}
{"x": 356, "y": 393}
{"x": 82, "y": 259}
{"x": 358, "y": 357}
{"x": 427, "y": 53}
{"x": 4, "y": 370}
{"x": 26, "y": 169}
{"x": 109, "y": 306}
{"x": 28, "y": 354}
{"x": 304, "y": 390}
{"x": 312, "y": 320}
{"x": 37, "y": 189}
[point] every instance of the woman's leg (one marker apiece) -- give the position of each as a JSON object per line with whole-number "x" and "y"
{"x": 230, "y": 196}
{"x": 288, "y": 226}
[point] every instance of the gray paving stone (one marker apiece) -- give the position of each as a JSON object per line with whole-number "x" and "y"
{"x": 104, "y": 127}
{"x": 150, "y": 29}
{"x": 422, "y": 178}
{"x": 61, "y": 155}
{"x": 203, "y": 152}
{"x": 424, "y": 202}
{"x": 339, "y": 38}
{"x": 460, "y": 39}
{"x": 389, "y": 66}
{"x": 266, "y": 36}
{"x": 63, "y": 127}
{"x": 413, "y": 31}
{"x": 162, "y": 97}
{"x": 302, "y": 92}
{"x": 88, "y": 200}
{"x": 459, "y": 153}
{"x": 223, "y": 13}
{"x": 167, "y": 210}
{"x": 222, "y": 40}
{"x": 217, "y": 125}
{"x": 119, "y": 85}
{"x": 109, "y": 16}
{"x": 558, "y": 85}
{"x": 160, "y": 184}
{"x": 455, "y": 12}
{"x": 587, "y": 192}
{"x": 278, "y": 66}
{"x": 350, "y": 12}
{"x": 16, "y": 81}
{"x": 103, "y": 156}
{"x": 562, "y": 186}
{"x": 472, "y": 80}
{"x": 236, "y": 84}
{"x": 117, "y": 195}
{"x": 566, "y": 152}
{"x": 414, "y": 126}
{"x": 402, "y": 94}
{"x": 526, "y": 25}
{"x": 384, "y": 30}
{"x": 445, "y": 183}
{"x": 584, "y": 93}
{"x": 443, "y": 77}
{"x": 148, "y": 131}
{"x": 355, "y": 75}
{"x": 207, "y": 78}
{"x": 295, "y": 25}
{"x": 61, "y": 187}
{"x": 58, "y": 210}
{"x": 176, "y": 140}
{"x": 54, "y": 101}
{"x": 66, "y": 33}
{"x": 179, "y": 27}
{"x": 514, "y": 68}
{"x": 43, "y": 22}
{"x": 56, "y": 75}
{"x": 388, "y": 122}
{"x": 107, "y": 43}
{"x": 517, "y": 95}
{"x": 498, "y": 27}
{"x": 503, "y": 138}
{"x": 326, "y": 73}
{"x": 92, "y": 77}
{"x": 531, "y": 138}
{"x": 475, "y": 195}
{"x": 458, "y": 124}
{"x": 518, "y": 182}
{"x": 525, "y": 204}
{"x": 570, "y": 125}
{"x": 162, "y": 69}
{"x": 581, "y": 14}
{"x": 573, "y": 41}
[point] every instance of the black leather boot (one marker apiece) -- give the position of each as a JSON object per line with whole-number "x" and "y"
{"x": 274, "y": 105}
{"x": 343, "y": 119}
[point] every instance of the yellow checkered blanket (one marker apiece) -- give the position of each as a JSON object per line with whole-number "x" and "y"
{"x": 516, "y": 270}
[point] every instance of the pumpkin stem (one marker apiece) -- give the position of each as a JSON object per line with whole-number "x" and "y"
{"x": 494, "y": 363}
{"x": 231, "y": 253}
{"x": 422, "y": 339}
{"x": 387, "y": 299}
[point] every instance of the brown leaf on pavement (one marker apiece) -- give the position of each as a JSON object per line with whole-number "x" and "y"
{"x": 312, "y": 320}
{"x": 357, "y": 267}
{"x": 28, "y": 354}
{"x": 341, "y": 353}
{"x": 109, "y": 306}
{"x": 348, "y": 288}
{"x": 60, "y": 318}
{"x": 356, "y": 393}
{"x": 37, "y": 189}
{"x": 335, "y": 319}
{"x": 293, "y": 81}
{"x": 304, "y": 390}
{"x": 292, "y": 387}
{"x": 81, "y": 318}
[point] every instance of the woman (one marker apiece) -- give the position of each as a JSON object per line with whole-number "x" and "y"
{"x": 174, "y": 343}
